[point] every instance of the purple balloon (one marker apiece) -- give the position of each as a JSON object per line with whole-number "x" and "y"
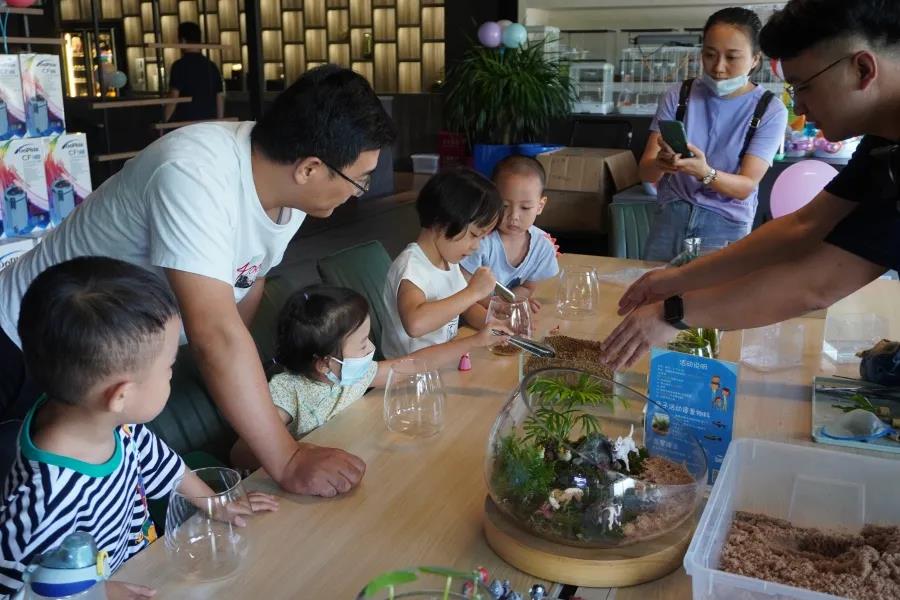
{"x": 798, "y": 185}
{"x": 490, "y": 34}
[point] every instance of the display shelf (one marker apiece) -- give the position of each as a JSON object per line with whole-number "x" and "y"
{"x": 386, "y": 67}
{"x": 292, "y": 24}
{"x": 409, "y": 43}
{"x": 271, "y": 46}
{"x": 270, "y": 14}
{"x": 362, "y": 44}
{"x": 361, "y": 13}
{"x": 296, "y": 36}
{"x": 316, "y": 45}
{"x": 31, "y": 12}
{"x": 338, "y": 26}
{"x": 294, "y": 61}
{"x": 188, "y": 11}
{"x": 339, "y": 54}
{"x": 111, "y": 104}
{"x": 314, "y": 11}
{"x": 37, "y": 41}
{"x": 385, "y": 21}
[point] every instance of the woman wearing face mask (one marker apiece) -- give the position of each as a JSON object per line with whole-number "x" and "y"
{"x": 325, "y": 361}
{"x": 713, "y": 195}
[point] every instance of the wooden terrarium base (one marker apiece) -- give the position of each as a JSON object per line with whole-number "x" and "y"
{"x": 615, "y": 567}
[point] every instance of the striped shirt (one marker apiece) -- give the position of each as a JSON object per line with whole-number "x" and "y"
{"x": 47, "y": 496}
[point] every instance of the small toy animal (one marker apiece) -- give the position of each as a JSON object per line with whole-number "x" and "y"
{"x": 623, "y": 447}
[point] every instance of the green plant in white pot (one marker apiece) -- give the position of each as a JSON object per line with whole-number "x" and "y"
{"x": 505, "y": 96}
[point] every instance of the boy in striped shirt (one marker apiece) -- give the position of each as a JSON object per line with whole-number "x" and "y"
{"x": 99, "y": 336}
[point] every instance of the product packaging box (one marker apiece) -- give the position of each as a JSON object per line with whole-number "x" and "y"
{"x": 12, "y": 249}
{"x": 24, "y": 207}
{"x": 12, "y": 101}
{"x": 43, "y": 93}
{"x": 68, "y": 173}
{"x": 580, "y": 186}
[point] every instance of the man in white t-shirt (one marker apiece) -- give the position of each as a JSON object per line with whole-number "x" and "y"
{"x": 212, "y": 207}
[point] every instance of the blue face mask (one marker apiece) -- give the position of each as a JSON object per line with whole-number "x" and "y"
{"x": 725, "y": 87}
{"x": 353, "y": 369}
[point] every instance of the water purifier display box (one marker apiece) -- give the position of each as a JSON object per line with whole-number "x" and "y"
{"x": 23, "y": 184}
{"x": 68, "y": 174}
{"x": 12, "y": 100}
{"x": 12, "y": 249}
{"x": 43, "y": 93}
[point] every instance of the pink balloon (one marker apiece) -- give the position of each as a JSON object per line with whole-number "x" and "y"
{"x": 798, "y": 185}
{"x": 490, "y": 34}
{"x": 20, "y": 3}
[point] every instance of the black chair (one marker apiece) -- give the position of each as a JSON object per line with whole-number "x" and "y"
{"x": 601, "y": 133}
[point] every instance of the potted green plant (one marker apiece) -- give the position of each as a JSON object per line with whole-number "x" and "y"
{"x": 500, "y": 97}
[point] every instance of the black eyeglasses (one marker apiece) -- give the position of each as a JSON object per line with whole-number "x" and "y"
{"x": 794, "y": 89}
{"x": 362, "y": 189}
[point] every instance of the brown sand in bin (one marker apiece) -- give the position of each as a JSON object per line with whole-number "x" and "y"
{"x": 864, "y": 566}
{"x": 571, "y": 353}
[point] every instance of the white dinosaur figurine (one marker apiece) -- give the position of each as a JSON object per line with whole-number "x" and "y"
{"x": 623, "y": 447}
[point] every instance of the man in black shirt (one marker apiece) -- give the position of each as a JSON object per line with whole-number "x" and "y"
{"x": 197, "y": 77}
{"x": 842, "y": 61}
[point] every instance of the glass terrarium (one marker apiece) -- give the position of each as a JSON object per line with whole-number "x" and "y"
{"x": 570, "y": 461}
{"x": 427, "y": 583}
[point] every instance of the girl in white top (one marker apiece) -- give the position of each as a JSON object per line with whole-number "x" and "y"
{"x": 327, "y": 359}
{"x": 426, "y": 292}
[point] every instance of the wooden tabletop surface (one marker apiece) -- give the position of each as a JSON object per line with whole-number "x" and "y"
{"x": 421, "y": 502}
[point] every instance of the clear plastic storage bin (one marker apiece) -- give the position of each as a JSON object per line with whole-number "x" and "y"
{"x": 807, "y": 486}
{"x": 845, "y": 335}
{"x": 425, "y": 163}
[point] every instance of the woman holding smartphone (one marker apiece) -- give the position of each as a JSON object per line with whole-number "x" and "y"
{"x": 712, "y": 194}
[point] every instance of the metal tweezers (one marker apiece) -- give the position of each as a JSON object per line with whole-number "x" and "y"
{"x": 528, "y": 345}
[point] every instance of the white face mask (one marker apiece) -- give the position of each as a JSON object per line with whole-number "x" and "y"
{"x": 725, "y": 87}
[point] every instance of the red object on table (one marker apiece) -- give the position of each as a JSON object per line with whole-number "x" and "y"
{"x": 452, "y": 149}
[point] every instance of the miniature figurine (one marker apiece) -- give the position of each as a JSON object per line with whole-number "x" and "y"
{"x": 559, "y": 498}
{"x": 483, "y": 575}
{"x": 465, "y": 363}
{"x": 623, "y": 447}
{"x": 538, "y": 592}
{"x": 496, "y": 590}
{"x": 613, "y": 516}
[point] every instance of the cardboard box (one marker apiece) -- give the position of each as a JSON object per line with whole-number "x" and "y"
{"x": 68, "y": 173}
{"x": 603, "y": 170}
{"x": 43, "y": 94}
{"x": 24, "y": 207}
{"x": 12, "y": 100}
{"x": 12, "y": 249}
{"x": 580, "y": 186}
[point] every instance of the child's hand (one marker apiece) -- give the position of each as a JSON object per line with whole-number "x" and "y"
{"x": 486, "y": 338}
{"x": 235, "y": 512}
{"x": 119, "y": 590}
{"x": 482, "y": 282}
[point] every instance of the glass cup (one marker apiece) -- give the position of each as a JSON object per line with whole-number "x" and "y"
{"x": 578, "y": 294}
{"x": 515, "y": 316}
{"x": 200, "y": 538}
{"x": 414, "y": 399}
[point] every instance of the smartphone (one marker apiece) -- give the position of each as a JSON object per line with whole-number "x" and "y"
{"x": 674, "y": 135}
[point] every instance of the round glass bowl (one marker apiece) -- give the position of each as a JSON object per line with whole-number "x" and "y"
{"x": 569, "y": 460}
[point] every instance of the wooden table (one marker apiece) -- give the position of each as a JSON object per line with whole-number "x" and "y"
{"x": 421, "y": 502}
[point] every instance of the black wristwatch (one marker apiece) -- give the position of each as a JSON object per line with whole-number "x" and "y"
{"x": 673, "y": 312}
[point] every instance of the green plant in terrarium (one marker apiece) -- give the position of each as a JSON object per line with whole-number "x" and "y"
{"x": 697, "y": 342}
{"x": 386, "y": 585}
{"x": 556, "y": 417}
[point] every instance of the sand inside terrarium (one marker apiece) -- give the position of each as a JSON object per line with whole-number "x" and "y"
{"x": 572, "y": 353}
{"x": 863, "y": 566}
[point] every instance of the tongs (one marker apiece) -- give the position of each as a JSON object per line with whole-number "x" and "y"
{"x": 866, "y": 388}
{"x": 528, "y": 345}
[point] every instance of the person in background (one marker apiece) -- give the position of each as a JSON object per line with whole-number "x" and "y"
{"x": 100, "y": 336}
{"x": 212, "y": 208}
{"x": 519, "y": 254}
{"x": 841, "y": 59}
{"x": 194, "y": 76}
{"x": 713, "y": 195}
{"x": 425, "y": 290}
{"x": 327, "y": 359}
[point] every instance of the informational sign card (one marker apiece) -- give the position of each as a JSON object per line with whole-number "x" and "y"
{"x": 696, "y": 393}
